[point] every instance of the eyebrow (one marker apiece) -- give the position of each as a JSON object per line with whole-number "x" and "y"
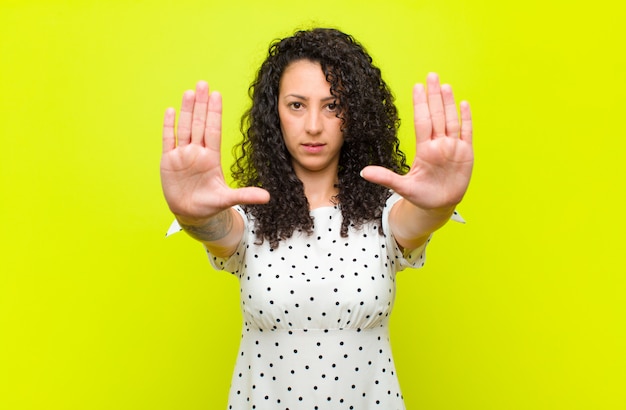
{"x": 306, "y": 98}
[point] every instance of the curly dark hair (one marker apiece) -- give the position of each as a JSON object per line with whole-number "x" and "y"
{"x": 369, "y": 124}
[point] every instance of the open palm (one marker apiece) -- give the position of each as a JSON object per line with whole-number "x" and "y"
{"x": 191, "y": 172}
{"x": 444, "y": 156}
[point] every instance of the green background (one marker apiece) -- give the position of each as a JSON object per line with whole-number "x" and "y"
{"x": 521, "y": 308}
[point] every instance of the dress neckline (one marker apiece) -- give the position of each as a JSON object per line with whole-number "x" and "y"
{"x": 319, "y": 208}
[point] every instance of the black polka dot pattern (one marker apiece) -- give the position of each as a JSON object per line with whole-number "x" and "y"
{"x": 316, "y": 314}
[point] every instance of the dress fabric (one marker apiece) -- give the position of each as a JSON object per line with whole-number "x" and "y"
{"x": 316, "y": 317}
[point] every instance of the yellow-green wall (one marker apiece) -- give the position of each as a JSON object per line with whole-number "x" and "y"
{"x": 522, "y": 308}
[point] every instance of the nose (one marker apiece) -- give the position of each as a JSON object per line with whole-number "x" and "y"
{"x": 313, "y": 122}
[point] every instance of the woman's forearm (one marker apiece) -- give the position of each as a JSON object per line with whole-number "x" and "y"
{"x": 412, "y": 226}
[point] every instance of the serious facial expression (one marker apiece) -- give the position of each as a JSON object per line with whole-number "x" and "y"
{"x": 308, "y": 119}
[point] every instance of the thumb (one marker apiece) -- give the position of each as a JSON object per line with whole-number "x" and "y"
{"x": 381, "y": 176}
{"x": 250, "y": 195}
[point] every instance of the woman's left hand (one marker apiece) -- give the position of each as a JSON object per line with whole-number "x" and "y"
{"x": 444, "y": 156}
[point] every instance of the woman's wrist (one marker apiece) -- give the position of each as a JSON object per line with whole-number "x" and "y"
{"x": 209, "y": 229}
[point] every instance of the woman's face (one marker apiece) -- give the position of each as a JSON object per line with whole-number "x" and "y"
{"x": 308, "y": 119}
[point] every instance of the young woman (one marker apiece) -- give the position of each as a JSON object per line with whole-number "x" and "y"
{"x": 325, "y": 214}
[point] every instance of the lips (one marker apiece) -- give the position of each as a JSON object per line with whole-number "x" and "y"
{"x": 313, "y": 147}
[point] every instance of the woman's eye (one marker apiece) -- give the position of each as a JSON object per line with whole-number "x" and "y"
{"x": 296, "y": 105}
{"x": 332, "y": 107}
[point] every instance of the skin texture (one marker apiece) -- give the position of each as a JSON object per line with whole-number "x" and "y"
{"x": 311, "y": 129}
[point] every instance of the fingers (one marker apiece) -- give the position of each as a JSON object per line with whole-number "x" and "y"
{"x": 213, "y": 127}
{"x": 185, "y": 117}
{"x": 466, "y": 122}
{"x": 452, "y": 119}
{"x": 199, "y": 119}
{"x": 435, "y": 105}
{"x": 200, "y": 105}
{"x": 250, "y": 195}
{"x": 169, "y": 138}
{"x": 382, "y": 176}
{"x": 435, "y": 112}
{"x": 421, "y": 114}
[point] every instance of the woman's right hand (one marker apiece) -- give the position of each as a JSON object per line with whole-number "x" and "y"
{"x": 191, "y": 171}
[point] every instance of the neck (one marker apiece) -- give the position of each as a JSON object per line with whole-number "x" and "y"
{"x": 320, "y": 198}
{"x": 320, "y": 189}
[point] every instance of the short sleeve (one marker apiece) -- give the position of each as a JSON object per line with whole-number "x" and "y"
{"x": 232, "y": 263}
{"x": 413, "y": 258}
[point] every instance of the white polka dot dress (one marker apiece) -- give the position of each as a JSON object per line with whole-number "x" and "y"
{"x": 315, "y": 318}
